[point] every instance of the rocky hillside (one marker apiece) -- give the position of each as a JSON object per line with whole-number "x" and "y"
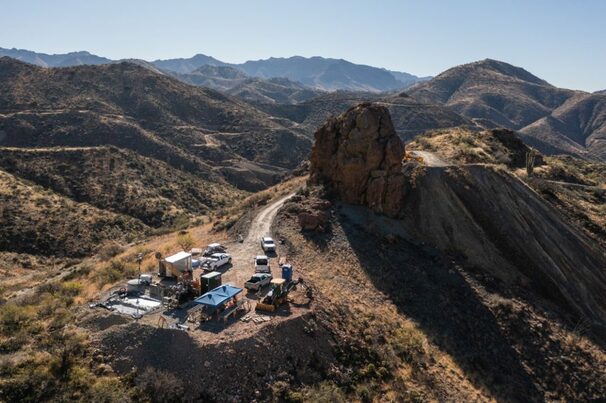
{"x": 132, "y": 107}
{"x": 410, "y": 117}
{"x": 576, "y": 187}
{"x": 494, "y": 93}
{"x": 236, "y": 83}
{"x": 507, "y": 95}
{"x": 38, "y": 221}
{"x": 578, "y": 126}
{"x": 120, "y": 181}
{"x": 478, "y": 211}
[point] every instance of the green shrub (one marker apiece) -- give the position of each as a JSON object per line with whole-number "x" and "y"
{"x": 15, "y": 317}
{"x": 363, "y": 393}
{"x": 185, "y": 241}
{"x": 107, "y": 390}
{"x": 116, "y": 270}
{"x": 109, "y": 250}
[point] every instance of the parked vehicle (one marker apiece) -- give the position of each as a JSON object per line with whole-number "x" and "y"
{"x": 216, "y": 260}
{"x": 214, "y": 248}
{"x": 258, "y": 281}
{"x": 268, "y": 244}
{"x": 262, "y": 264}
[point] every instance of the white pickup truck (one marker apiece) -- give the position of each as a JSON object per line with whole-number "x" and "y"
{"x": 268, "y": 244}
{"x": 216, "y": 260}
{"x": 262, "y": 264}
{"x": 258, "y": 281}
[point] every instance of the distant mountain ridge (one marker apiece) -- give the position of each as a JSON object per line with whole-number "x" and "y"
{"x": 493, "y": 93}
{"x": 55, "y": 60}
{"x": 317, "y": 72}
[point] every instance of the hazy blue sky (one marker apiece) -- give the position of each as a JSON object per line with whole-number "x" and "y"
{"x": 563, "y": 42}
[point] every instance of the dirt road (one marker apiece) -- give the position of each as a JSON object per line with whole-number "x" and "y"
{"x": 243, "y": 253}
{"x": 431, "y": 159}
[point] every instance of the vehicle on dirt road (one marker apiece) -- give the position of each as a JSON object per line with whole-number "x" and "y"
{"x": 214, "y": 248}
{"x": 268, "y": 244}
{"x": 258, "y": 281}
{"x": 262, "y": 264}
{"x": 216, "y": 260}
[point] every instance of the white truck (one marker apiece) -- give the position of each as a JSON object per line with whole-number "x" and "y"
{"x": 268, "y": 244}
{"x": 258, "y": 281}
{"x": 262, "y": 264}
{"x": 215, "y": 261}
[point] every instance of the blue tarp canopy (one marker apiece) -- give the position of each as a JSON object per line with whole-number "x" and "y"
{"x": 218, "y": 296}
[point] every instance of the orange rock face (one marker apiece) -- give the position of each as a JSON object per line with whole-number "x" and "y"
{"x": 358, "y": 155}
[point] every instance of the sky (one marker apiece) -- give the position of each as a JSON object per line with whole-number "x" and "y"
{"x": 563, "y": 42}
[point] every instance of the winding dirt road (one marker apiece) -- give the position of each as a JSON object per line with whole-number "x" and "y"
{"x": 431, "y": 159}
{"x": 243, "y": 253}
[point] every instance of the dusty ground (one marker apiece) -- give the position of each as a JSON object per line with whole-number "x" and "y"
{"x": 466, "y": 336}
{"x": 238, "y": 347}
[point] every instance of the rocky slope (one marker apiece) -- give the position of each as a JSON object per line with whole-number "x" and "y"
{"x": 132, "y": 107}
{"x": 578, "y": 126}
{"x": 507, "y": 95}
{"x": 480, "y": 212}
{"x": 410, "y": 117}
{"x": 236, "y": 83}
{"x": 555, "y": 120}
{"x": 120, "y": 181}
{"x": 38, "y": 221}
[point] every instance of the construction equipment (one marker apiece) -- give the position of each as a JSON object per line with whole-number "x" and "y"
{"x": 275, "y": 297}
{"x": 280, "y": 288}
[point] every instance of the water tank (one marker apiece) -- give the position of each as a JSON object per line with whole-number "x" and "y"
{"x": 146, "y": 278}
{"x": 133, "y": 286}
{"x": 287, "y": 272}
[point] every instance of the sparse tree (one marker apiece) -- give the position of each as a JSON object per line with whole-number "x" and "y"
{"x": 185, "y": 241}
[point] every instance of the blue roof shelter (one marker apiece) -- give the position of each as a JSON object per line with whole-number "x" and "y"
{"x": 218, "y": 296}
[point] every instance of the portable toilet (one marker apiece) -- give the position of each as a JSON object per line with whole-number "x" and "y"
{"x": 210, "y": 281}
{"x": 287, "y": 272}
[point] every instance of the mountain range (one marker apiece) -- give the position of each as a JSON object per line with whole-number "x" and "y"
{"x": 494, "y": 93}
{"x": 316, "y": 72}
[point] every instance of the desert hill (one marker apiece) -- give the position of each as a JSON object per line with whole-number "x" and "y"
{"x": 410, "y": 116}
{"x": 154, "y": 115}
{"x": 325, "y": 74}
{"x": 120, "y": 181}
{"x": 578, "y": 126}
{"x": 479, "y": 211}
{"x": 489, "y": 89}
{"x": 498, "y": 94}
{"x": 235, "y": 82}
{"x": 56, "y": 60}
{"x": 40, "y": 222}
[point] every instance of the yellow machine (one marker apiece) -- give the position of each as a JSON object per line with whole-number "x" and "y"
{"x": 275, "y": 297}
{"x": 280, "y": 288}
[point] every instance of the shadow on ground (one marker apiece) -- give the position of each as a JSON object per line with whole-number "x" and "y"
{"x": 435, "y": 295}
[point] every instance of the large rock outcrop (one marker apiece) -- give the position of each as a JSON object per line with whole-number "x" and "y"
{"x": 358, "y": 155}
{"x": 482, "y": 212}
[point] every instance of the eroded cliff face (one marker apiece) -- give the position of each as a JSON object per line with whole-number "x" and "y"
{"x": 358, "y": 155}
{"x": 482, "y": 212}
